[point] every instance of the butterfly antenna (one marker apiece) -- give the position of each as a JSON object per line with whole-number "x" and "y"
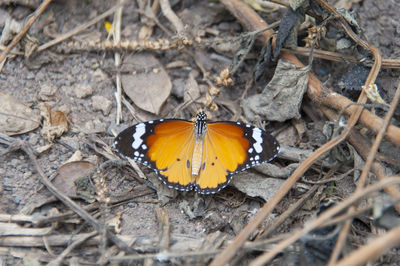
{"x": 192, "y": 100}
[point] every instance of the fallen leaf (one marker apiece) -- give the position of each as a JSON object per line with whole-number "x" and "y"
{"x": 15, "y": 117}
{"x": 287, "y": 35}
{"x": 148, "y": 85}
{"x": 282, "y": 97}
{"x": 256, "y": 186}
{"x": 68, "y": 173}
{"x": 77, "y": 156}
{"x": 54, "y": 124}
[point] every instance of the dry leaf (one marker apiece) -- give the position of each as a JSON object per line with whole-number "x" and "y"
{"x": 54, "y": 125}
{"x": 77, "y": 156}
{"x": 68, "y": 173}
{"x": 15, "y": 117}
{"x": 282, "y": 97}
{"x": 256, "y": 186}
{"x": 149, "y": 86}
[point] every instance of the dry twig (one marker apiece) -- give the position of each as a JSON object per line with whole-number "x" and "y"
{"x": 27, "y": 26}
{"x": 63, "y": 198}
{"x": 251, "y": 20}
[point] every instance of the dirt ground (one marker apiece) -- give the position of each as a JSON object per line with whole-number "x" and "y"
{"x": 82, "y": 85}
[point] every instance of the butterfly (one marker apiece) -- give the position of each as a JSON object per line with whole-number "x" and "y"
{"x": 198, "y": 155}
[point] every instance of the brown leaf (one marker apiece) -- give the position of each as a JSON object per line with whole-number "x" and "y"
{"x": 15, "y": 117}
{"x": 149, "y": 86}
{"x": 54, "y": 124}
{"x": 282, "y": 97}
{"x": 69, "y": 173}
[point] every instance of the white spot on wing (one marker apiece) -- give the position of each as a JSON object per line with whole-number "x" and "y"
{"x": 257, "y": 136}
{"x": 140, "y": 129}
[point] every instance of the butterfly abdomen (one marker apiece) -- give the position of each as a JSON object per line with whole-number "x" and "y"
{"x": 200, "y": 128}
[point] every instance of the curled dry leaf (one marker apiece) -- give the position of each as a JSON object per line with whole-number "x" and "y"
{"x": 15, "y": 117}
{"x": 148, "y": 84}
{"x": 69, "y": 173}
{"x": 54, "y": 124}
{"x": 282, "y": 97}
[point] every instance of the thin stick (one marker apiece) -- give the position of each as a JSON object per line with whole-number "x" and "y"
{"x": 78, "y": 29}
{"x": 64, "y": 199}
{"x": 372, "y": 250}
{"x": 117, "y": 57}
{"x": 171, "y": 16}
{"x": 363, "y": 178}
{"x": 71, "y": 247}
{"x": 324, "y": 217}
{"x": 251, "y": 20}
{"x": 27, "y": 26}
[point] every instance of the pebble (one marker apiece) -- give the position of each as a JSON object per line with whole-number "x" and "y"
{"x": 33, "y": 139}
{"x": 101, "y": 103}
{"x": 178, "y": 87}
{"x": 47, "y": 90}
{"x": 53, "y": 157}
{"x": 14, "y": 162}
{"x": 83, "y": 90}
{"x": 17, "y": 200}
{"x": 27, "y": 174}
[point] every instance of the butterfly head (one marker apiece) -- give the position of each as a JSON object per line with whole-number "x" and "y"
{"x": 201, "y": 124}
{"x": 201, "y": 116}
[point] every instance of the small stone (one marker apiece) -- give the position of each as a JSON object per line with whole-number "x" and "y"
{"x": 30, "y": 75}
{"x": 178, "y": 87}
{"x": 47, "y": 90}
{"x": 53, "y": 157}
{"x": 101, "y": 103}
{"x": 14, "y": 162}
{"x": 17, "y": 200}
{"x": 83, "y": 90}
{"x": 27, "y": 174}
{"x": 89, "y": 126}
{"x": 33, "y": 139}
{"x": 100, "y": 75}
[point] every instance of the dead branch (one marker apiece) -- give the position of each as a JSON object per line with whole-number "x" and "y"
{"x": 63, "y": 198}
{"x": 372, "y": 250}
{"x": 324, "y": 217}
{"x": 27, "y": 26}
{"x": 252, "y": 21}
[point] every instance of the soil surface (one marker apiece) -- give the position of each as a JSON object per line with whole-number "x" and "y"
{"x": 82, "y": 85}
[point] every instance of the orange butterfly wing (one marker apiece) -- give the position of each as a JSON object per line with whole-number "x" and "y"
{"x": 230, "y": 148}
{"x": 166, "y": 146}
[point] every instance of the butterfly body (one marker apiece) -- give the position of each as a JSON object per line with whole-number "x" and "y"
{"x": 197, "y": 155}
